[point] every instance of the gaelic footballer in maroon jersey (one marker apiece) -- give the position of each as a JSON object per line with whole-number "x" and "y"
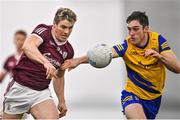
{"x": 44, "y": 51}
{"x": 10, "y": 62}
{"x": 33, "y": 74}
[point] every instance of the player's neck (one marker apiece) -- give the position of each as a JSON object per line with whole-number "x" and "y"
{"x": 57, "y": 41}
{"x": 18, "y": 54}
{"x": 144, "y": 41}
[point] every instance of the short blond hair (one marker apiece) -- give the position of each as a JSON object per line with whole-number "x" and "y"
{"x": 64, "y": 13}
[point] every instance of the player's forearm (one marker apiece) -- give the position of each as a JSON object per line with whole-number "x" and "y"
{"x": 58, "y": 84}
{"x": 33, "y": 53}
{"x": 171, "y": 63}
{"x": 83, "y": 59}
{"x": 114, "y": 53}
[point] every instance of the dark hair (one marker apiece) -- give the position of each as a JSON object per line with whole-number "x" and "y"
{"x": 64, "y": 13}
{"x": 140, "y": 16}
{"x": 22, "y": 32}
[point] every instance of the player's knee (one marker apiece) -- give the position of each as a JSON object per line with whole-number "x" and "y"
{"x": 134, "y": 111}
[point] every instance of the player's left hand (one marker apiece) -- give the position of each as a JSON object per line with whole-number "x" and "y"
{"x": 62, "y": 109}
{"x": 70, "y": 64}
{"x": 153, "y": 53}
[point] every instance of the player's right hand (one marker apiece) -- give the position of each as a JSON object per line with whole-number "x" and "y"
{"x": 50, "y": 70}
{"x": 62, "y": 109}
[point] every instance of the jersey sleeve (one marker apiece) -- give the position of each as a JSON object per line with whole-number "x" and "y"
{"x": 121, "y": 48}
{"x": 163, "y": 45}
{"x": 6, "y": 66}
{"x": 40, "y": 31}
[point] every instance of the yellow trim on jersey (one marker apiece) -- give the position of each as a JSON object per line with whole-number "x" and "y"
{"x": 167, "y": 51}
{"x": 120, "y": 47}
{"x": 127, "y": 99}
{"x": 164, "y": 45}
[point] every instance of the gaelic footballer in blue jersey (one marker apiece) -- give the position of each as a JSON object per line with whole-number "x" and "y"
{"x": 146, "y": 54}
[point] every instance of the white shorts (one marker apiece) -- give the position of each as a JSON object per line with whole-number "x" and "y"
{"x": 20, "y": 99}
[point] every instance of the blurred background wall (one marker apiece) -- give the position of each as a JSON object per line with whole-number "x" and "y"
{"x": 95, "y": 93}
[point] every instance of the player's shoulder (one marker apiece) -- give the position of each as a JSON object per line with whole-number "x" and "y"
{"x": 12, "y": 56}
{"x": 158, "y": 36}
{"x": 154, "y": 34}
{"x": 42, "y": 27}
{"x": 69, "y": 45}
{"x": 42, "y": 30}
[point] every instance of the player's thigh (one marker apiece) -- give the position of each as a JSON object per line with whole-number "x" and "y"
{"x": 45, "y": 110}
{"x": 10, "y": 116}
{"x": 134, "y": 111}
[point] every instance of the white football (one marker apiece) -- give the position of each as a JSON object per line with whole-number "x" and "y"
{"x": 100, "y": 55}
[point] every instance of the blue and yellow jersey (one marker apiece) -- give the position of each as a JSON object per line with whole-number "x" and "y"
{"x": 146, "y": 75}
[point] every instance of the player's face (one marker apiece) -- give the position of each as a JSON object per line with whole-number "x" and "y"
{"x": 63, "y": 29}
{"x": 19, "y": 41}
{"x": 136, "y": 32}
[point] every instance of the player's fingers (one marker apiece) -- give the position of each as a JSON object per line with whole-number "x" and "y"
{"x": 63, "y": 113}
{"x": 47, "y": 70}
{"x": 66, "y": 61}
{"x": 147, "y": 53}
{"x": 70, "y": 69}
{"x": 65, "y": 66}
{"x": 62, "y": 67}
{"x": 55, "y": 75}
{"x": 60, "y": 109}
{"x": 155, "y": 55}
{"x": 48, "y": 76}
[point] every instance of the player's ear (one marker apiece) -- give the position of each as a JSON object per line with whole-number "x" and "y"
{"x": 146, "y": 28}
{"x": 54, "y": 24}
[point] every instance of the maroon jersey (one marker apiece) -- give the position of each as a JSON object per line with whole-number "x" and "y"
{"x": 10, "y": 63}
{"x": 32, "y": 74}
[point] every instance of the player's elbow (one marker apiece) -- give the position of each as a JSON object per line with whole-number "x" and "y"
{"x": 177, "y": 71}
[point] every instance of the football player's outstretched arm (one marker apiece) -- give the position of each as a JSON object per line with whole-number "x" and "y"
{"x": 73, "y": 63}
{"x": 169, "y": 59}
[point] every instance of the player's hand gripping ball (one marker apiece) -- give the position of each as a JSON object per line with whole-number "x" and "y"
{"x": 100, "y": 55}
